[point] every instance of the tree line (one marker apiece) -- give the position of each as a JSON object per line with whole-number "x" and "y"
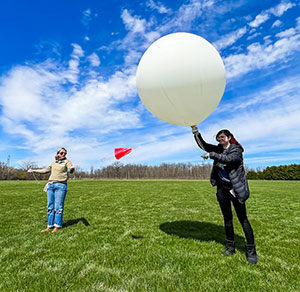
{"x": 118, "y": 170}
{"x": 282, "y": 172}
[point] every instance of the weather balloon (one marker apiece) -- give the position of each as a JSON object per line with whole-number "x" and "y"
{"x": 181, "y": 78}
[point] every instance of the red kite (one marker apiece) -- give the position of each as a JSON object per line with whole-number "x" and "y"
{"x": 120, "y": 152}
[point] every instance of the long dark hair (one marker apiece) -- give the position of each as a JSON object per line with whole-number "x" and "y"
{"x": 229, "y": 134}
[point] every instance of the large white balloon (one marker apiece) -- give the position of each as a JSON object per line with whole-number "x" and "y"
{"x": 181, "y": 78}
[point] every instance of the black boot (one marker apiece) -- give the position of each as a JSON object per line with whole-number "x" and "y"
{"x": 251, "y": 254}
{"x": 230, "y": 248}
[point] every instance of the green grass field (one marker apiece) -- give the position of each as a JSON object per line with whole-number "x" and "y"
{"x": 146, "y": 236}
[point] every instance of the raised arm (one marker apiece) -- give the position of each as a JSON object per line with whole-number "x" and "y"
{"x": 201, "y": 143}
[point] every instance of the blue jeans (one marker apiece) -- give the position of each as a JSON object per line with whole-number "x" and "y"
{"x": 56, "y": 195}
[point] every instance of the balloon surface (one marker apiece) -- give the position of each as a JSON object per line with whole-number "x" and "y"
{"x": 181, "y": 79}
{"x": 120, "y": 152}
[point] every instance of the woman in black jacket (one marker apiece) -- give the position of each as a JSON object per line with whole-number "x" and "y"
{"x": 229, "y": 176}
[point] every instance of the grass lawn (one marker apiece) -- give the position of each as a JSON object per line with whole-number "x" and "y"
{"x": 146, "y": 236}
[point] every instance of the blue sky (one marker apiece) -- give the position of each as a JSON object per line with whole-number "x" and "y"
{"x": 67, "y": 78}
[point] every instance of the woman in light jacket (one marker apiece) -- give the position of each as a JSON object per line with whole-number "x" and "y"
{"x": 56, "y": 188}
{"x": 228, "y": 175}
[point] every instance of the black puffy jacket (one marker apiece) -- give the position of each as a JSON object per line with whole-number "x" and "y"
{"x": 233, "y": 161}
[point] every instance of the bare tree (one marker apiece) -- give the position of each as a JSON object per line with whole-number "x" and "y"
{"x": 27, "y": 164}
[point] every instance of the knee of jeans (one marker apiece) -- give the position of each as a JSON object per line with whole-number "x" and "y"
{"x": 59, "y": 211}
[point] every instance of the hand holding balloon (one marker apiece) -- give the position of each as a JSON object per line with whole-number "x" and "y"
{"x": 195, "y": 130}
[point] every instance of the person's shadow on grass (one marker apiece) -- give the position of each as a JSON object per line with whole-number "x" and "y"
{"x": 201, "y": 231}
{"x": 71, "y": 222}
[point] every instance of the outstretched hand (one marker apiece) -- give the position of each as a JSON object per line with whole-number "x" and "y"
{"x": 205, "y": 156}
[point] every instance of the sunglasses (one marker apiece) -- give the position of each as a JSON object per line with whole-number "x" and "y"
{"x": 62, "y": 153}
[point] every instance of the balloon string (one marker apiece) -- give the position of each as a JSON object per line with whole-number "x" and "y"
{"x": 35, "y": 177}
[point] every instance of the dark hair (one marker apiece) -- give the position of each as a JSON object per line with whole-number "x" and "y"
{"x": 61, "y": 148}
{"x": 228, "y": 134}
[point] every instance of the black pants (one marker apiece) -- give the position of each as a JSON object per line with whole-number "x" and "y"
{"x": 225, "y": 198}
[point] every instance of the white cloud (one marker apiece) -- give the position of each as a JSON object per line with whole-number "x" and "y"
{"x": 133, "y": 23}
{"x": 277, "y": 23}
{"x": 72, "y": 73}
{"x": 157, "y": 6}
{"x": 141, "y": 33}
{"x": 284, "y": 92}
{"x": 186, "y": 15}
{"x": 152, "y": 36}
{"x": 230, "y": 38}
{"x": 254, "y": 35}
{"x": 94, "y": 60}
{"x": 262, "y": 55}
{"x": 281, "y": 8}
{"x": 77, "y": 51}
{"x": 278, "y": 11}
{"x": 259, "y": 19}
{"x": 287, "y": 33}
{"x": 22, "y": 88}
{"x": 132, "y": 56}
{"x": 181, "y": 20}
{"x": 42, "y": 105}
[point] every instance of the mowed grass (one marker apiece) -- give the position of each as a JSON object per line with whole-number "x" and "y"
{"x": 146, "y": 236}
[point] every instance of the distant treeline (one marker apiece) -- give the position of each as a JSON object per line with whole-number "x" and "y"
{"x": 138, "y": 171}
{"x": 116, "y": 171}
{"x": 163, "y": 171}
{"x": 282, "y": 172}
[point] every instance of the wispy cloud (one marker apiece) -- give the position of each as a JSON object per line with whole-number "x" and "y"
{"x": 186, "y": 15}
{"x": 259, "y": 19}
{"x": 276, "y": 23}
{"x": 281, "y": 8}
{"x": 260, "y": 56}
{"x": 94, "y": 60}
{"x": 86, "y": 17}
{"x": 230, "y": 38}
{"x": 134, "y": 24}
{"x": 284, "y": 92}
{"x": 73, "y": 70}
{"x": 141, "y": 33}
{"x": 278, "y": 11}
{"x": 157, "y": 6}
{"x": 42, "y": 103}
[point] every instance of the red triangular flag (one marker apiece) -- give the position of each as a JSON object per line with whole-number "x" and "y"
{"x": 120, "y": 152}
